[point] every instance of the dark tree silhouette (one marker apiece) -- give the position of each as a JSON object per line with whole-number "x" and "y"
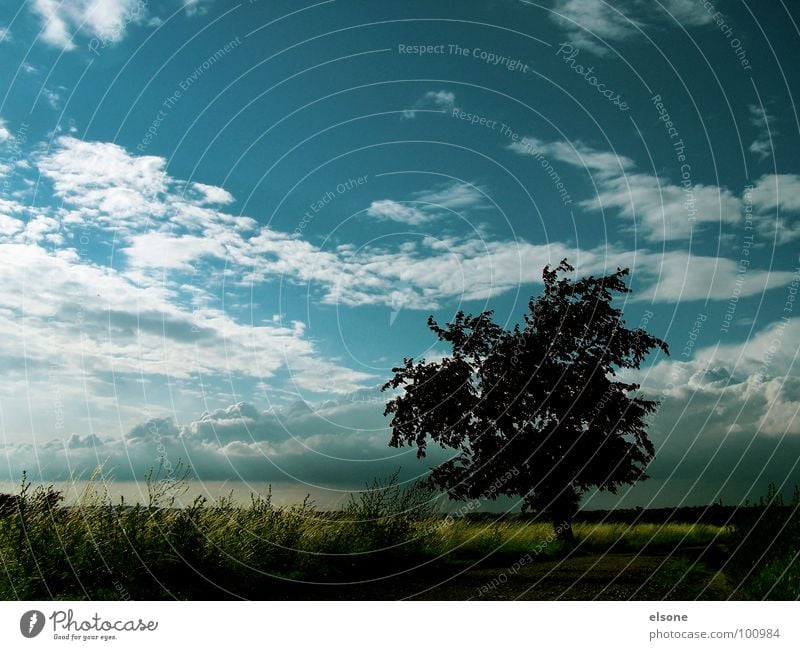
{"x": 534, "y": 411}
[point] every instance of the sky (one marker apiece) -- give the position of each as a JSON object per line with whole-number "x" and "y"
{"x": 222, "y": 224}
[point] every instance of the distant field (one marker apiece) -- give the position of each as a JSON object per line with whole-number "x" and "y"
{"x": 508, "y": 538}
{"x": 103, "y": 550}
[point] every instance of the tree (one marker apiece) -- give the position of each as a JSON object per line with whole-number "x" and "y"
{"x": 533, "y": 412}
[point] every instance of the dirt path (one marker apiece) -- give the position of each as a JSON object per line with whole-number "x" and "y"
{"x": 610, "y": 576}
{"x": 615, "y": 576}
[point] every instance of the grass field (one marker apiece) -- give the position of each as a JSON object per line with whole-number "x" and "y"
{"x": 102, "y": 550}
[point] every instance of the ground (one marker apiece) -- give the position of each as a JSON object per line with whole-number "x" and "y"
{"x": 682, "y": 574}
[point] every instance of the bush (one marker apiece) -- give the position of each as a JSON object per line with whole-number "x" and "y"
{"x": 766, "y": 546}
{"x": 101, "y": 550}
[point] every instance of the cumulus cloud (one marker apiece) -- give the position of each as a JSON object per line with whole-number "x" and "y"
{"x": 74, "y": 165}
{"x": 196, "y": 7}
{"x": 155, "y": 316}
{"x": 211, "y": 194}
{"x": 441, "y": 101}
{"x": 395, "y": 211}
{"x": 588, "y": 23}
{"x": 129, "y": 329}
{"x": 772, "y": 197}
{"x": 760, "y": 119}
{"x": 429, "y": 205}
{"x": 728, "y": 419}
{"x": 105, "y": 20}
{"x": 340, "y": 442}
{"x": 605, "y": 164}
{"x": 658, "y": 209}
{"x": 723, "y": 408}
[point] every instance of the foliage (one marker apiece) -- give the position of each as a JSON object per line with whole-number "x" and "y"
{"x": 766, "y": 547}
{"x": 98, "y": 549}
{"x": 534, "y": 411}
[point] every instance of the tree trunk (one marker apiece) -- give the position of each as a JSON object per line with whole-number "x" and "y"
{"x": 563, "y": 531}
{"x": 563, "y": 510}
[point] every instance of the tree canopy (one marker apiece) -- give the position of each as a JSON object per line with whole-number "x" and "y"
{"x": 537, "y": 411}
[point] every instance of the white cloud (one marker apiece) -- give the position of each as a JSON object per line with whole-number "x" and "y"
{"x": 762, "y": 145}
{"x": 677, "y": 276}
{"x": 5, "y": 134}
{"x": 454, "y": 196}
{"x": 107, "y": 186}
{"x": 428, "y": 205}
{"x": 751, "y": 390}
{"x": 105, "y": 20}
{"x": 772, "y": 196}
{"x": 52, "y": 98}
{"x": 750, "y": 387}
{"x": 688, "y": 12}
{"x": 389, "y": 209}
{"x": 773, "y": 191}
{"x": 196, "y": 7}
{"x": 660, "y": 210}
{"x": 101, "y": 322}
{"x": 603, "y": 163}
{"x": 77, "y": 166}
{"x": 165, "y": 233}
{"x": 589, "y": 22}
{"x": 158, "y": 250}
{"x": 149, "y": 318}
{"x": 213, "y": 195}
{"x": 342, "y": 443}
{"x": 782, "y": 414}
{"x": 442, "y": 100}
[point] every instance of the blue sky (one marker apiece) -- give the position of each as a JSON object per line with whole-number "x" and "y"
{"x": 222, "y": 224}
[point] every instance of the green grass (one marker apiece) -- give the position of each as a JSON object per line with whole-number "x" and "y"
{"x": 470, "y": 540}
{"x": 766, "y": 555}
{"x": 97, "y": 549}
